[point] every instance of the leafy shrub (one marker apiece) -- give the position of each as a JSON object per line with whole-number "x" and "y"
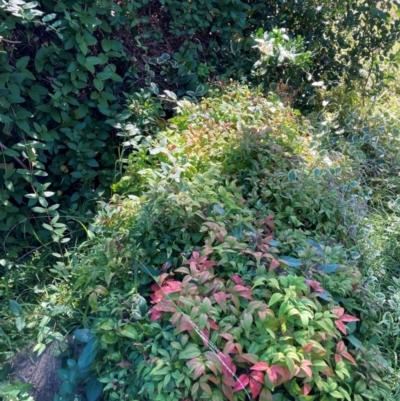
{"x": 67, "y": 69}
{"x": 277, "y": 324}
{"x": 195, "y": 198}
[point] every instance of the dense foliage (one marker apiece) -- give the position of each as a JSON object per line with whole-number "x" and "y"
{"x": 68, "y": 70}
{"x": 173, "y": 235}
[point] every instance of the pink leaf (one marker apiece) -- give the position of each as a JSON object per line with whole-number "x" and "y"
{"x": 273, "y": 372}
{"x": 257, "y": 376}
{"x": 273, "y": 265}
{"x": 349, "y": 318}
{"x": 307, "y": 348}
{"x": 306, "y": 389}
{"x": 237, "y": 280}
{"x": 220, "y": 299}
{"x": 338, "y": 311}
{"x": 346, "y": 355}
{"x": 340, "y": 347}
{"x": 243, "y": 381}
{"x": 212, "y": 324}
{"x": 260, "y": 366}
{"x": 315, "y": 285}
{"x": 227, "y": 336}
{"x": 228, "y": 367}
{"x": 255, "y": 387}
{"x": 340, "y": 325}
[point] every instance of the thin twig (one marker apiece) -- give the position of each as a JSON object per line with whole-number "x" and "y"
{"x": 14, "y": 42}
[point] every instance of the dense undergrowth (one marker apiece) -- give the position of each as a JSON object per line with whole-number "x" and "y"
{"x": 262, "y": 237}
{"x": 241, "y": 249}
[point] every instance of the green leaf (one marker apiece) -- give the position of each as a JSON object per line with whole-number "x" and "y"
{"x": 290, "y": 365}
{"x": 292, "y": 175}
{"x": 106, "y": 44}
{"x": 190, "y": 353}
{"x": 49, "y": 17}
{"x": 92, "y": 163}
{"x": 274, "y": 299}
{"x": 93, "y": 302}
{"x": 218, "y": 209}
{"x": 88, "y": 355}
{"x": 104, "y": 75}
{"x": 129, "y": 331}
{"x": 5, "y": 119}
{"x": 355, "y": 341}
{"x": 20, "y": 323}
{"x": 82, "y": 110}
{"x": 15, "y": 307}
{"x": 83, "y": 335}
{"x": 22, "y": 62}
{"x": 98, "y": 84}
{"x": 336, "y": 394}
{"x": 93, "y": 388}
{"x": 83, "y": 47}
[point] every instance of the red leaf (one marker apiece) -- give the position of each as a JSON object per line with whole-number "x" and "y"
{"x": 340, "y": 347}
{"x": 154, "y": 314}
{"x": 346, "y": 355}
{"x": 338, "y": 358}
{"x": 220, "y": 299}
{"x": 315, "y": 285}
{"x": 338, "y": 311}
{"x": 273, "y": 265}
{"x": 306, "y": 389}
{"x": 237, "y": 280}
{"x": 227, "y": 336}
{"x": 260, "y": 366}
{"x": 243, "y": 381}
{"x": 340, "y": 325}
{"x": 307, "y": 348}
{"x": 255, "y": 387}
{"x": 349, "y": 318}
{"x": 228, "y": 367}
{"x": 212, "y": 324}
{"x": 257, "y": 376}
{"x": 185, "y": 325}
{"x": 273, "y": 372}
